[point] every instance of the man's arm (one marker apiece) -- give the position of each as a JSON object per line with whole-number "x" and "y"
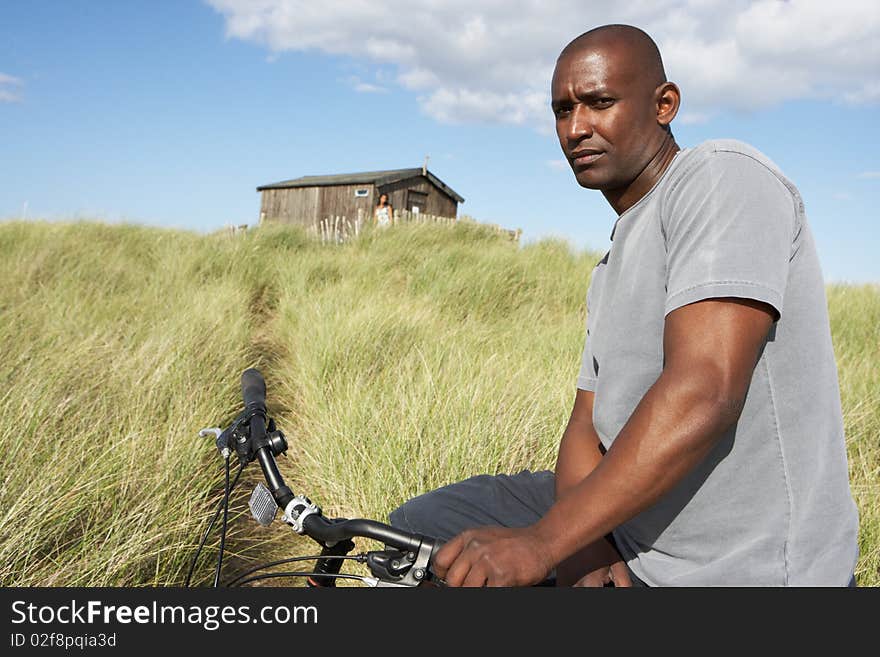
{"x": 579, "y": 453}
{"x": 710, "y": 348}
{"x": 579, "y": 449}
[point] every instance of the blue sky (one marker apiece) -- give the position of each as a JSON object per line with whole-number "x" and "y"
{"x": 171, "y": 113}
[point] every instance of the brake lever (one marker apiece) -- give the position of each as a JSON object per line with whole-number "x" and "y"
{"x": 398, "y": 568}
{"x": 219, "y": 440}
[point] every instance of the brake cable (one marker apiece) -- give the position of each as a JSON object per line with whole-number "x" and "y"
{"x": 195, "y": 558}
{"x": 360, "y": 558}
{"x": 370, "y": 581}
{"x": 223, "y": 526}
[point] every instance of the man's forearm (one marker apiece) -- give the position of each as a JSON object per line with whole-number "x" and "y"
{"x": 672, "y": 429}
{"x": 579, "y": 454}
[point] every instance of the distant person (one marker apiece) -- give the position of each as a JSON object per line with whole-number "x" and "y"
{"x": 383, "y": 214}
{"x": 706, "y": 441}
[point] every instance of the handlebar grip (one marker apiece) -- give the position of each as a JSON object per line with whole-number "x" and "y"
{"x": 253, "y": 389}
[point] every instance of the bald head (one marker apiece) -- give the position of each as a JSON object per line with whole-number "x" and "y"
{"x": 629, "y": 47}
{"x": 613, "y": 106}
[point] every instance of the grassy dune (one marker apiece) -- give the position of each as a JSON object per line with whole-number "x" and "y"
{"x": 395, "y": 364}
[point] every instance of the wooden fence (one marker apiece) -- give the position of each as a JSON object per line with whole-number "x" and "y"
{"x": 338, "y": 229}
{"x": 236, "y": 229}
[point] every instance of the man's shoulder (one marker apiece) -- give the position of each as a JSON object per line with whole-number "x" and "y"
{"x": 727, "y": 146}
{"x": 730, "y": 153}
{"x": 723, "y": 158}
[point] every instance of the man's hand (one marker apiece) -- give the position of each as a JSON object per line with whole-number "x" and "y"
{"x": 597, "y": 565}
{"x": 493, "y": 556}
{"x": 616, "y": 574}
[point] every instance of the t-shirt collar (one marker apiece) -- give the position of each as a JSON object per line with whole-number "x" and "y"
{"x": 648, "y": 193}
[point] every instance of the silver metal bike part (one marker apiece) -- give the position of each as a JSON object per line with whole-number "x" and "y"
{"x": 372, "y": 582}
{"x": 215, "y": 432}
{"x": 297, "y": 510}
{"x": 419, "y": 570}
{"x": 263, "y": 506}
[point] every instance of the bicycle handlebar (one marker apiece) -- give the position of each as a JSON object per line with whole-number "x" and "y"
{"x": 253, "y": 390}
{"x": 253, "y": 393}
{"x": 323, "y": 530}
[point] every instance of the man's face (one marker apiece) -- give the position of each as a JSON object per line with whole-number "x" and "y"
{"x": 605, "y": 117}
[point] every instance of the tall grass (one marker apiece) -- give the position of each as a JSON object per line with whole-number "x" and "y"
{"x": 113, "y": 339}
{"x": 855, "y": 327}
{"x": 395, "y": 363}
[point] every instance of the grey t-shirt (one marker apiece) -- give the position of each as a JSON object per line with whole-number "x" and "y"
{"x": 771, "y": 504}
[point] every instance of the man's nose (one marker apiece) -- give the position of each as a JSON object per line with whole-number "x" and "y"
{"x": 581, "y": 125}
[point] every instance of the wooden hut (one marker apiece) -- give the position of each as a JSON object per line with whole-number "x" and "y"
{"x": 308, "y": 200}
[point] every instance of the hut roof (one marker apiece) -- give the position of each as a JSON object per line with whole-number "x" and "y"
{"x": 378, "y": 178}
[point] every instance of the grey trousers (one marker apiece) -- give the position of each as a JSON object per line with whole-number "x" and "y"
{"x": 502, "y": 500}
{"x": 517, "y": 500}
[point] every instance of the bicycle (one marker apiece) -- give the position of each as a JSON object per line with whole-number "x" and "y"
{"x": 405, "y": 561}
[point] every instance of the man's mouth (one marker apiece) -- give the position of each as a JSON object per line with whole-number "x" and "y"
{"x": 585, "y": 157}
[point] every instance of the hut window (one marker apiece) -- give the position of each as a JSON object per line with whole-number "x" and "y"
{"x": 359, "y": 193}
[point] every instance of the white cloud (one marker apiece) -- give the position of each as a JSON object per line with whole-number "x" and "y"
{"x": 869, "y": 92}
{"x": 869, "y": 175}
{"x": 558, "y": 165}
{"x": 366, "y": 87}
{"x": 9, "y": 89}
{"x": 457, "y": 105}
{"x": 491, "y": 61}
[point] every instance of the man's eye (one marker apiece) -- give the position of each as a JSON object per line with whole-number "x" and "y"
{"x": 562, "y": 111}
{"x": 604, "y": 102}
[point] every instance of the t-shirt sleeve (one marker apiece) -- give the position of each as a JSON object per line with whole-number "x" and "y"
{"x": 587, "y": 376}
{"x": 729, "y": 225}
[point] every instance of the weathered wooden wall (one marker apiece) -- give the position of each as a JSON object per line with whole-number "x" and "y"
{"x": 306, "y": 206}
{"x": 437, "y": 202}
{"x": 296, "y": 205}
{"x": 340, "y": 200}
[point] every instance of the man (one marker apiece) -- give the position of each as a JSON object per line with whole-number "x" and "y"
{"x": 705, "y": 446}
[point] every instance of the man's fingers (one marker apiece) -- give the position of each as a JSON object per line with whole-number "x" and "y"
{"x": 617, "y": 573}
{"x": 467, "y": 556}
{"x": 476, "y": 576}
{"x": 459, "y": 570}
{"x": 447, "y": 555}
{"x": 595, "y": 579}
{"x": 620, "y": 575}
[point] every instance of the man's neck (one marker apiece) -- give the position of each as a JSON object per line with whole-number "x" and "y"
{"x": 624, "y": 198}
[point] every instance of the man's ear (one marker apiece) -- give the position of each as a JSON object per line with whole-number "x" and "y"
{"x": 668, "y": 100}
